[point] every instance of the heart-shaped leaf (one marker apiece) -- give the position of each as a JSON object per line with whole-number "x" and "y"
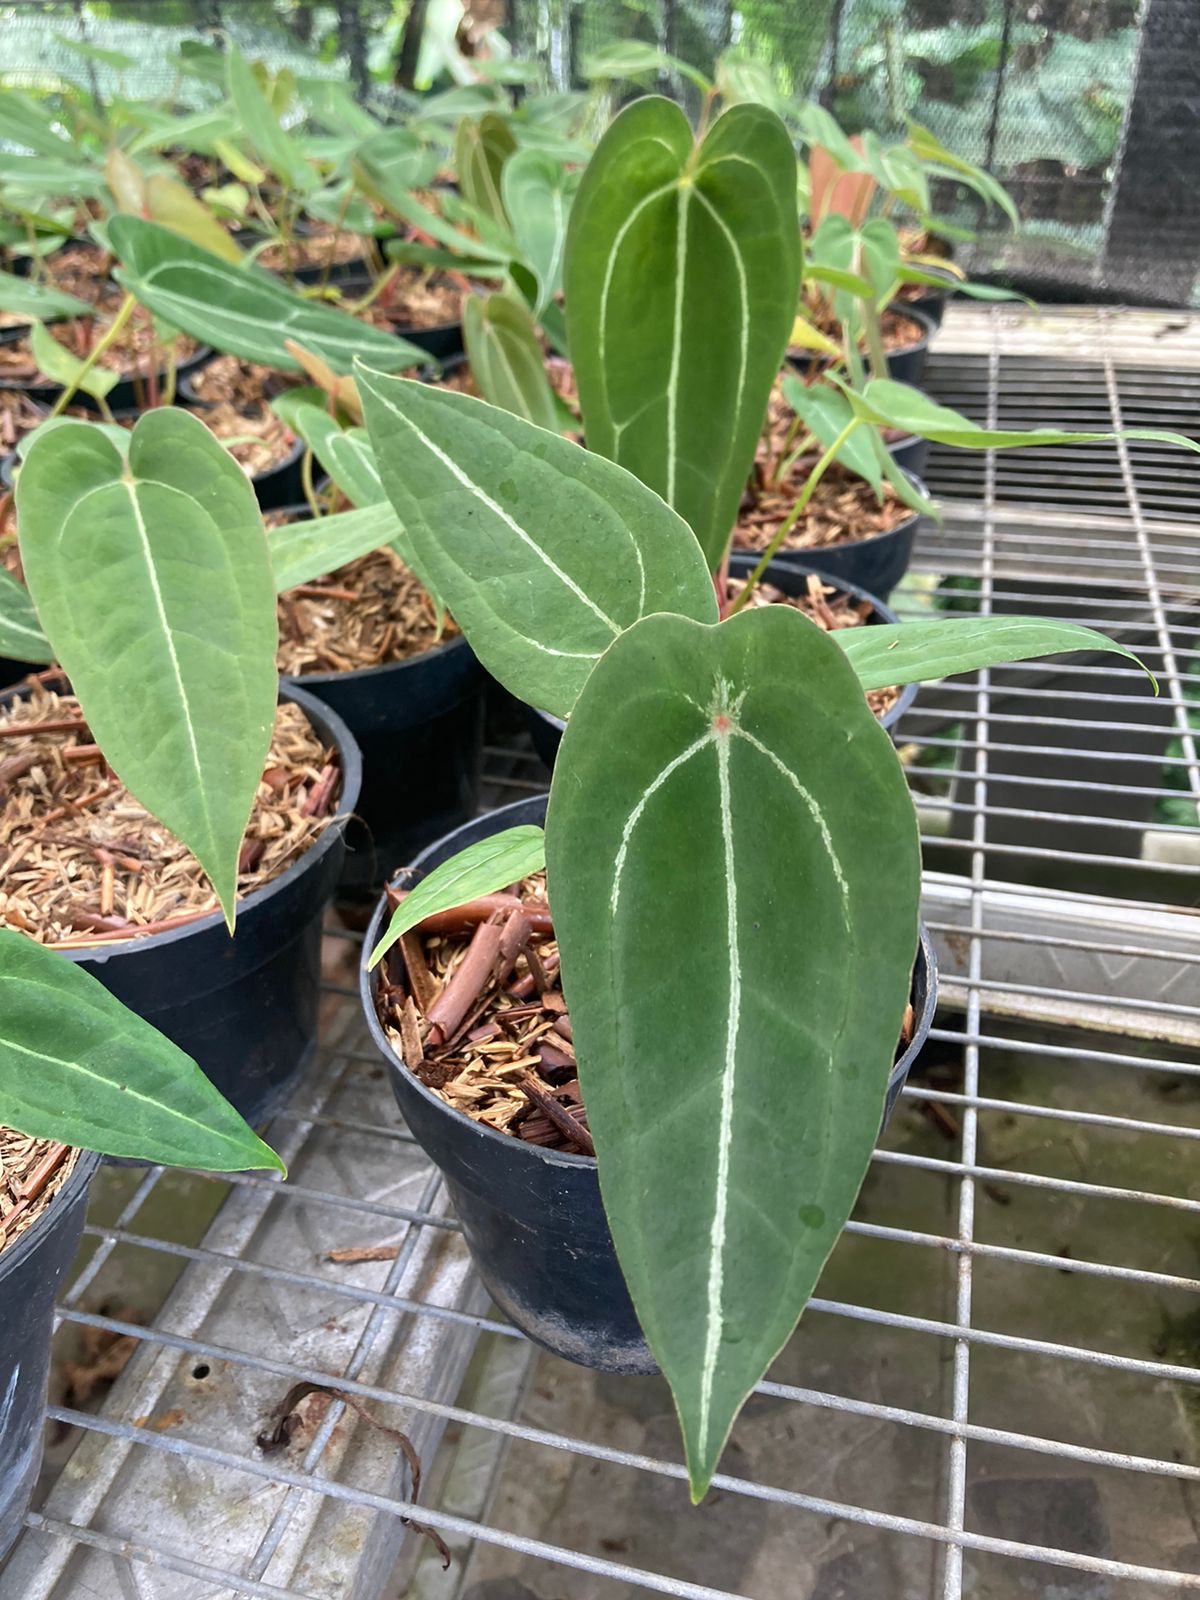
{"x": 21, "y": 636}
{"x": 239, "y": 310}
{"x": 937, "y": 647}
{"x": 481, "y": 868}
{"x": 825, "y": 412}
{"x": 542, "y": 552}
{"x": 734, "y": 873}
{"x": 682, "y": 272}
{"x": 506, "y": 358}
{"x": 78, "y": 1066}
{"x": 153, "y": 583}
{"x": 537, "y": 194}
{"x": 302, "y": 551}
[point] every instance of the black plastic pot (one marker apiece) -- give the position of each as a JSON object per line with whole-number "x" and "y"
{"x": 245, "y": 1008}
{"x": 532, "y": 1218}
{"x": 419, "y": 726}
{"x": 910, "y": 453}
{"x": 546, "y": 731}
{"x": 123, "y": 396}
{"x": 908, "y": 365}
{"x": 442, "y": 341}
{"x": 31, "y": 1269}
{"x": 876, "y": 564}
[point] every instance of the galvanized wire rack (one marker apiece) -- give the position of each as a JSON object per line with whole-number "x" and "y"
{"x": 996, "y": 1392}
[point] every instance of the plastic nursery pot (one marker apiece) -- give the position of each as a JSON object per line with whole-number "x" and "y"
{"x": 31, "y": 1269}
{"x": 876, "y": 564}
{"x": 245, "y": 1008}
{"x": 419, "y": 726}
{"x": 442, "y": 341}
{"x": 546, "y": 730}
{"x": 532, "y": 1218}
{"x": 908, "y": 365}
{"x": 909, "y": 453}
{"x": 124, "y": 394}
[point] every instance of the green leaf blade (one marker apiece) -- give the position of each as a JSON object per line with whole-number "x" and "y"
{"x": 735, "y": 1008}
{"x": 78, "y": 1066}
{"x": 25, "y": 297}
{"x": 481, "y": 868}
{"x": 506, "y": 358}
{"x": 271, "y": 144}
{"x": 302, "y": 551}
{"x": 153, "y": 583}
{"x": 242, "y": 311}
{"x": 21, "y": 636}
{"x": 937, "y": 647}
{"x": 675, "y": 359}
{"x": 542, "y": 552}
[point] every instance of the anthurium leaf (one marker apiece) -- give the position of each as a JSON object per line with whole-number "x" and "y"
{"x": 302, "y": 551}
{"x": 126, "y": 180}
{"x": 389, "y": 165}
{"x": 506, "y": 358}
{"x": 537, "y": 194}
{"x": 542, "y": 551}
{"x": 168, "y": 202}
{"x": 922, "y": 651}
{"x": 345, "y": 453}
{"x": 111, "y": 430}
{"x": 152, "y": 580}
{"x": 480, "y": 151}
{"x": 262, "y": 127}
{"x": 44, "y": 175}
{"x": 838, "y": 278}
{"x": 825, "y": 412}
{"x": 78, "y": 1066}
{"x": 481, "y": 868}
{"x": 898, "y": 405}
{"x": 735, "y": 1009}
{"x": 58, "y": 364}
{"x": 21, "y": 636}
{"x": 433, "y": 255}
{"x": 245, "y": 170}
{"x": 29, "y": 124}
{"x": 807, "y": 337}
{"x": 242, "y": 312}
{"x": 928, "y": 148}
{"x": 25, "y": 297}
{"x": 682, "y": 271}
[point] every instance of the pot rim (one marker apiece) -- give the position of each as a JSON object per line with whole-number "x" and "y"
{"x": 803, "y": 551}
{"x": 28, "y": 1241}
{"x": 351, "y": 763}
{"x": 367, "y": 983}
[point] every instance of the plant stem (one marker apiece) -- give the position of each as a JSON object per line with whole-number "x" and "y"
{"x": 789, "y": 522}
{"x": 875, "y": 342}
{"x": 306, "y": 480}
{"x": 327, "y": 267}
{"x": 109, "y": 338}
{"x": 706, "y": 106}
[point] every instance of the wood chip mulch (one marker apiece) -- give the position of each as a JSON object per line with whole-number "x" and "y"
{"x": 82, "y": 863}
{"x": 254, "y": 436}
{"x": 243, "y": 384}
{"x": 313, "y": 250}
{"x": 367, "y": 613}
{"x": 471, "y": 1002}
{"x": 32, "y": 1171}
{"x": 19, "y": 415}
{"x": 822, "y": 604}
{"x": 137, "y": 342}
{"x": 843, "y": 509}
{"x": 412, "y": 298}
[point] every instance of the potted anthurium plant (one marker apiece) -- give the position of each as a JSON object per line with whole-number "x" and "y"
{"x": 689, "y": 997}
{"x": 80, "y": 1076}
{"x": 158, "y": 788}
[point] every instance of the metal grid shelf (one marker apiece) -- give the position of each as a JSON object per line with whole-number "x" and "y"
{"x": 995, "y": 1393}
